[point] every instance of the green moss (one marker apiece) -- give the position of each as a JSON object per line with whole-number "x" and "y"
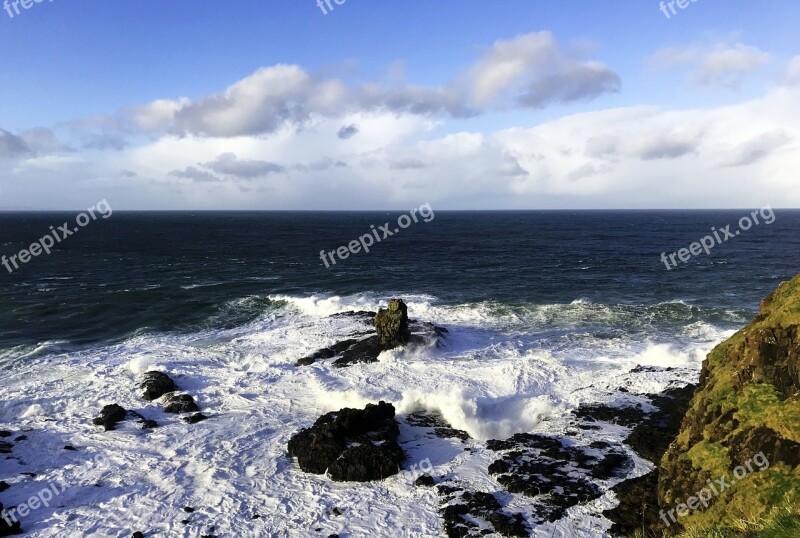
{"x": 712, "y": 457}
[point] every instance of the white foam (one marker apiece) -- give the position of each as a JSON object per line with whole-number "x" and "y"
{"x": 234, "y": 465}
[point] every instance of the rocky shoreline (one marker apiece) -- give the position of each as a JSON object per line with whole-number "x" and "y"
{"x": 553, "y": 472}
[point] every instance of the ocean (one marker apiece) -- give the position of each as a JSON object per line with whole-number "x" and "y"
{"x": 546, "y": 310}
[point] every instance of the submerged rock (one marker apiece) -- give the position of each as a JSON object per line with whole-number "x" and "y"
{"x": 351, "y": 444}
{"x": 475, "y": 513}
{"x": 392, "y": 325}
{"x": 110, "y": 416}
{"x": 154, "y": 385}
{"x": 180, "y": 403}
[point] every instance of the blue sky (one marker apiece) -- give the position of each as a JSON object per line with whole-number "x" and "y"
{"x": 78, "y": 76}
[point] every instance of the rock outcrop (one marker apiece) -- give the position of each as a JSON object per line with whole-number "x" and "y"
{"x": 392, "y": 325}
{"x": 154, "y": 385}
{"x": 351, "y": 444}
{"x": 393, "y": 329}
{"x": 748, "y": 403}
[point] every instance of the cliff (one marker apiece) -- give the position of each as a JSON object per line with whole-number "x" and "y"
{"x": 736, "y": 458}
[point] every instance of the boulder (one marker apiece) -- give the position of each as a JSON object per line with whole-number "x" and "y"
{"x": 154, "y": 385}
{"x": 180, "y": 403}
{"x": 392, "y": 325}
{"x": 351, "y": 444}
{"x": 110, "y": 416}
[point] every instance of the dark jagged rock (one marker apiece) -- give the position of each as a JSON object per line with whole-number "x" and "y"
{"x": 651, "y": 437}
{"x": 180, "y": 403}
{"x": 392, "y": 325}
{"x": 110, "y": 416}
{"x": 351, "y": 444}
{"x": 137, "y": 535}
{"x": 10, "y": 527}
{"x": 4, "y": 434}
{"x": 194, "y": 419}
{"x": 425, "y": 480}
{"x": 393, "y": 329}
{"x": 363, "y": 351}
{"x": 623, "y": 415}
{"x": 468, "y": 513}
{"x": 5, "y": 448}
{"x": 556, "y": 475}
{"x": 327, "y": 352}
{"x": 440, "y": 426}
{"x": 154, "y": 385}
{"x": 638, "y": 503}
{"x": 146, "y": 423}
{"x": 637, "y": 508}
{"x": 70, "y": 448}
{"x": 3, "y": 486}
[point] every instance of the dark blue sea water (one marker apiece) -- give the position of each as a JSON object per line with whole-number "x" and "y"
{"x": 161, "y": 272}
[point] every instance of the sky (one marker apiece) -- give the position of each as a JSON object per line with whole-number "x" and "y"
{"x": 390, "y": 104}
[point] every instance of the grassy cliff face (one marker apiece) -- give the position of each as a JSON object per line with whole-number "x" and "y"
{"x": 745, "y": 414}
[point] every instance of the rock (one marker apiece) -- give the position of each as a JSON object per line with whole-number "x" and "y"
{"x": 556, "y": 475}
{"x": 351, "y": 444}
{"x": 110, "y": 416}
{"x": 137, "y": 535}
{"x": 425, "y": 480}
{"x": 10, "y": 527}
{"x": 327, "y": 352}
{"x": 468, "y": 513}
{"x": 638, "y": 507}
{"x": 5, "y": 448}
{"x": 4, "y": 433}
{"x": 440, "y": 426}
{"x": 180, "y": 403}
{"x": 188, "y": 509}
{"x": 746, "y": 403}
{"x": 69, "y": 447}
{"x": 154, "y": 385}
{"x": 364, "y": 351}
{"x": 194, "y": 419}
{"x": 3, "y": 486}
{"x": 392, "y": 325}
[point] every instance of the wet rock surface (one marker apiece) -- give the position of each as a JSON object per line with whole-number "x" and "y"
{"x": 650, "y": 438}
{"x": 554, "y": 472}
{"x": 391, "y": 324}
{"x": 351, "y": 444}
{"x": 475, "y": 513}
{"x": 154, "y": 385}
{"x": 392, "y": 329}
{"x": 440, "y": 427}
{"x": 180, "y": 403}
{"x": 110, "y": 416}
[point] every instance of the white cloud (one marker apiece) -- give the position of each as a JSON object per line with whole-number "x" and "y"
{"x": 719, "y": 65}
